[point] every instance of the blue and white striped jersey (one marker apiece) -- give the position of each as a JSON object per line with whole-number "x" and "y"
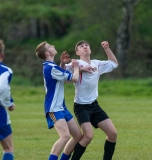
{"x": 54, "y": 78}
{"x": 5, "y": 94}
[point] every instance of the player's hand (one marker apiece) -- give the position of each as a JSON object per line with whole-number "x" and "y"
{"x": 65, "y": 58}
{"x": 105, "y": 44}
{"x": 75, "y": 63}
{"x": 11, "y": 108}
{"x": 87, "y": 69}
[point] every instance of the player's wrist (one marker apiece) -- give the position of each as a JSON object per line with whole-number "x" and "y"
{"x": 62, "y": 63}
{"x": 107, "y": 48}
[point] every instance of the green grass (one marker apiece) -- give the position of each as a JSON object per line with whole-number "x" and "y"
{"x": 127, "y": 102}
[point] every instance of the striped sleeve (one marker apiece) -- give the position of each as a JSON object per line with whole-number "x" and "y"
{"x": 5, "y": 90}
{"x": 60, "y": 74}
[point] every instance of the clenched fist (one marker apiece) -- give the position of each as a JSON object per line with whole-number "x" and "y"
{"x": 105, "y": 44}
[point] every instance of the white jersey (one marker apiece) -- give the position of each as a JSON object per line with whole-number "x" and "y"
{"x": 86, "y": 89}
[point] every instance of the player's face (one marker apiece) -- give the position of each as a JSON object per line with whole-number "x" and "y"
{"x": 1, "y": 56}
{"x": 51, "y": 49}
{"x": 83, "y": 49}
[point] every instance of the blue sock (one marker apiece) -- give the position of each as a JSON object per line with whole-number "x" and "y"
{"x": 65, "y": 157}
{"x": 8, "y": 156}
{"x": 53, "y": 157}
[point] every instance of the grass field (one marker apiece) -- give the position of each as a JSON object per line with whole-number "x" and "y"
{"x": 128, "y": 103}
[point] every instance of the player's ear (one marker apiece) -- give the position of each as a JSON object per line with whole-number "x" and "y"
{"x": 47, "y": 53}
{"x": 2, "y": 55}
{"x": 77, "y": 53}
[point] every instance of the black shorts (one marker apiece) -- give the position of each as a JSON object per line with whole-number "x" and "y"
{"x": 92, "y": 113}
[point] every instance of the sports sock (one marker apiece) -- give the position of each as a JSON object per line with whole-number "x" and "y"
{"x": 53, "y": 157}
{"x": 8, "y": 156}
{"x": 78, "y": 152}
{"x": 109, "y": 148}
{"x": 65, "y": 157}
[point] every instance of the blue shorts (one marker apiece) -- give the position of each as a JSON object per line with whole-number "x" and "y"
{"x": 5, "y": 131}
{"x": 53, "y": 117}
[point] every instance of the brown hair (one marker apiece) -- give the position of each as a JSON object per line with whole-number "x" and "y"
{"x": 79, "y": 43}
{"x": 40, "y": 50}
{"x": 2, "y": 46}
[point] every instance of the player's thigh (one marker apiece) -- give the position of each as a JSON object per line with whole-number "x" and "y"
{"x": 74, "y": 129}
{"x": 107, "y": 126}
{"x": 7, "y": 144}
{"x": 62, "y": 128}
{"x": 87, "y": 129}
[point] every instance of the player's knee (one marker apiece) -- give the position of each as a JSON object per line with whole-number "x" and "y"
{"x": 66, "y": 137}
{"x": 77, "y": 137}
{"x": 88, "y": 137}
{"x": 113, "y": 135}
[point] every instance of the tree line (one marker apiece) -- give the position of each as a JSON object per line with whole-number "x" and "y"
{"x": 125, "y": 24}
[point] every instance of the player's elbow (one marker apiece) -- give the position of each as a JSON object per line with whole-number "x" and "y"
{"x": 75, "y": 79}
{"x": 117, "y": 63}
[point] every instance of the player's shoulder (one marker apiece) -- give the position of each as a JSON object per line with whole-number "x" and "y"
{"x": 48, "y": 65}
{"x": 5, "y": 68}
{"x": 96, "y": 61}
{"x": 100, "y": 61}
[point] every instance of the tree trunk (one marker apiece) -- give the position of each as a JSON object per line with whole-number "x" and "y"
{"x": 123, "y": 34}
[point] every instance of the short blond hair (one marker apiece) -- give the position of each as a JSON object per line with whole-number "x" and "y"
{"x": 40, "y": 50}
{"x": 2, "y": 46}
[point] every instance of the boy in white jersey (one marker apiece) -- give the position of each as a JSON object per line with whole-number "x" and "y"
{"x": 6, "y": 103}
{"x": 56, "y": 111}
{"x": 86, "y": 107}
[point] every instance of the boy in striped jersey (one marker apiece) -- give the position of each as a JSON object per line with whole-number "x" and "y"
{"x": 6, "y": 102}
{"x": 57, "y": 114}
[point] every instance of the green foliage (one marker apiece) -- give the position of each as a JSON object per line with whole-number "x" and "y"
{"x": 24, "y": 24}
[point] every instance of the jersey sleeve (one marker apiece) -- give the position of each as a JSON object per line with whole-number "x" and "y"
{"x": 60, "y": 74}
{"x": 5, "y": 90}
{"x": 106, "y": 66}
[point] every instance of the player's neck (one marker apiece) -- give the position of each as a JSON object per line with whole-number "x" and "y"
{"x": 51, "y": 59}
{"x": 86, "y": 59}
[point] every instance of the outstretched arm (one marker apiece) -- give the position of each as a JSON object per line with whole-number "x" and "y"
{"x": 65, "y": 58}
{"x": 108, "y": 51}
{"x": 87, "y": 69}
{"x": 75, "y": 66}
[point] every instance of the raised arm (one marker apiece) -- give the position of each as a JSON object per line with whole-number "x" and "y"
{"x": 75, "y": 66}
{"x": 108, "y": 51}
{"x": 65, "y": 58}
